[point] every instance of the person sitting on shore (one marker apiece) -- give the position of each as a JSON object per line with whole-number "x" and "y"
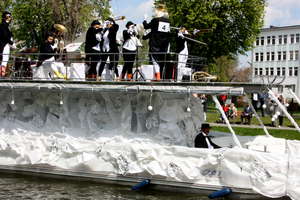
{"x": 202, "y": 140}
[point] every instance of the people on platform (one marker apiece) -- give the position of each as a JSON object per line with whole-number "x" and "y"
{"x": 130, "y": 47}
{"x": 48, "y": 67}
{"x": 6, "y": 42}
{"x": 110, "y": 49}
{"x": 203, "y": 140}
{"x": 159, "y": 41}
{"x": 93, "y": 48}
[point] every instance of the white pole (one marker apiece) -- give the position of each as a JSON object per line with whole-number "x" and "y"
{"x": 282, "y": 107}
{"x": 295, "y": 96}
{"x": 257, "y": 117}
{"x": 235, "y": 139}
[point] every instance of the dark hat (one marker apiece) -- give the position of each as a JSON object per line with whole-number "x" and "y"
{"x": 129, "y": 24}
{"x": 5, "y": 13}
{"x": 110, "y": 19}
{"x": 205, "y": 125}
{"x": 95, "y": 22}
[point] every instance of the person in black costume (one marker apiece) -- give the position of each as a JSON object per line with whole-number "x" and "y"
{"x": 131, "y": 43}
{"x": 110, "y": 47}
{"x": 159, "y": 40}
{"x": 202, "y": 140}
{"x": 93, "y": 48}
{"x": 6, "y": 40}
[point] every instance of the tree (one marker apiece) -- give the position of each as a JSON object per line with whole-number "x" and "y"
{"x": 5, "y": 5}
{"x": 224, "y": 67}
{"x": 33, "y": 18}
{"x": 234, "y": 24}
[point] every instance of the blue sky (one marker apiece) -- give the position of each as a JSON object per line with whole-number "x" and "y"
{"x": 277, "y": 13}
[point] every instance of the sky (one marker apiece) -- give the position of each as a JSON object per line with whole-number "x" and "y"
{"x": 277, "y": 13}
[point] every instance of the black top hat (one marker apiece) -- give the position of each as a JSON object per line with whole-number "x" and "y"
{"x": 5, "y": 13}
{"x": 129, "y": 24}
{"x": 95, "y": 22}
{"x": 205, "y": 125}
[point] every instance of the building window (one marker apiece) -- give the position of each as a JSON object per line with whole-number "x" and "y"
{"x": 273, "y": 40}
{"x": 271, "y": 71}
{"x": 297, "y": 38}
{"x": 267, "y": 71}
{"x": 262, "y": 41}
{"x": 255, "y": 71}
{"x": 291, "y": 55}
{"x": 280, "y": 39}
{"x": 284, "y": 55}
{"x": 292, "y": 38}
{"x": 261, "y": 56}
{"x": 268, "y": 56}
{"x": 260, "y": 71}
{"x": 272, "y": 56}
{"x": 279, "y": 55}
{"x": 278, "y": 71}
{"x": 269, "y": 40}
{"x": 290, "y": 71}
{"x": 256, "y": 57}
{"x": 283, "y": 71}
{"x": 257, "y": 41}
{"x": 296, "y": 55}
{"x": 295, "y": 71}
{"x": 285, "y": 39}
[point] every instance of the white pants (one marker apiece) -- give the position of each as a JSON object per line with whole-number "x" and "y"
{"x": 182, "y": 60}
{"x": 5, "y": 56}
{"x": 47, "y": 69}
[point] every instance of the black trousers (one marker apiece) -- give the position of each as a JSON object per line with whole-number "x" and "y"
{"x": 129, "y": 57}
{"x": 113, "y": 65}
{"x": 92, "y": 58}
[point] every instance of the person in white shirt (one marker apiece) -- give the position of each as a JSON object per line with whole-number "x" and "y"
{"x": 130, "y": 45}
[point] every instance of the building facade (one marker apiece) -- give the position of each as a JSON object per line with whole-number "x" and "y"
{"x": 275, "y": 58}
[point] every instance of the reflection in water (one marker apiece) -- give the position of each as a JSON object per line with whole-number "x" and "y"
{"x": 20, "y": 188}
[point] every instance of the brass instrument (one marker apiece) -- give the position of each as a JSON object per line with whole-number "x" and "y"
{"x": 119, "y": 18}
{"x": 203, "y": 76}
{"x": 60, "y": 28}
{"x": 59, "y": 40}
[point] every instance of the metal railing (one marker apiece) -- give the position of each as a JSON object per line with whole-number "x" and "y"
{"x": 75, "y": 66}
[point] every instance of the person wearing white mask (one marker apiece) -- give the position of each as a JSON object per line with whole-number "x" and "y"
{"x": 130, "y": 45}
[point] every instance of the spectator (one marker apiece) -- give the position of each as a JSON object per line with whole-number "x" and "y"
{"x": 232, "y": 111}
{"x": 247, "y": 115}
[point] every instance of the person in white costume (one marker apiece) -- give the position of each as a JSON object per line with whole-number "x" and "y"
{"x": 47, "y": 67}
{"x": 6, "y": 41}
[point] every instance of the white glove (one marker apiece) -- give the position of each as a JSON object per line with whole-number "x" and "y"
{"x": 13, "y": 46}
{"x": 145, "y": 17}
{"x": 196, "y": 31}
{"x": 98, "y": 37}
{"x": 180, "y": 34}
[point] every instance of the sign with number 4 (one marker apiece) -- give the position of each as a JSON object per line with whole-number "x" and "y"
{"x": 164, "y": 27}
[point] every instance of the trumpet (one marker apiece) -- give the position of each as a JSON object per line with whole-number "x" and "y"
{"x": 119, "y": 18}
{"x": 193, "y": 31}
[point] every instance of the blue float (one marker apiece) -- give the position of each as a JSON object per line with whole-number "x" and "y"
{"x": 220, "y": 193}
{"x": 141, "y": 185}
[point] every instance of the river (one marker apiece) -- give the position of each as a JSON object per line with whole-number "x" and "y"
{"x": 24, "y": 187}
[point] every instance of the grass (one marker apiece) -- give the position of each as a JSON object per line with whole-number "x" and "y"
{"x": 287, "y": 134}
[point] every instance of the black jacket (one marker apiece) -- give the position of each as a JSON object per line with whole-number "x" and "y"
{"x": 200, "y": 142}
{"x": 5, "y": 35}
{"x": 46, "y": 51}
{"x": 159, "y": 40}
{"x": 90, "y": 39}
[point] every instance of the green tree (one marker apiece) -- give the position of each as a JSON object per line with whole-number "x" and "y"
{"x": 234, "y": 24}
{"x": 5, "y": 5}
{"x": 224, "y": 67}
{"x": 33, "y": 18}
